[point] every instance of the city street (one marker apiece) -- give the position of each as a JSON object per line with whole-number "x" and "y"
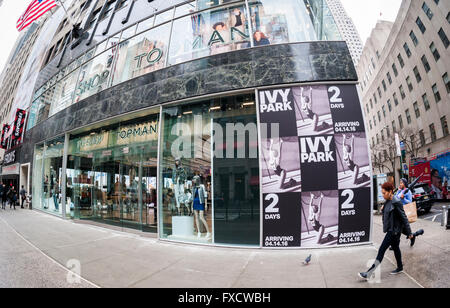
{"x": 36, "y": 248}
{"x": 435, "y": 215}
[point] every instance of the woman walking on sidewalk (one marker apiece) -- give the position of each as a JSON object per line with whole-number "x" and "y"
{"x": 405, "y": 196}
{"x": 394, "y": 222}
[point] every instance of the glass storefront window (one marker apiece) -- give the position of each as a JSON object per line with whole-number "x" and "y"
{"x": 146, "y": 24}
{"x": 273, "y": 23}
{"x": 185, "y": 177}
{"x": 142, "y": 54}
{"x": 210, "y": 32}
{"x": 236, "y": 177}
{"x": 38, "y": 186}
{"x": 113, "y": 40}
{"x": 204, "y": 4}
{"x": 164, "y": 17}
{"x": 33, "y": 114}
{"x": 65, "y": 92}
{"x": 220, "y": 26}
{"x": 101, "y": 47}
{"x": 47, "y": 176}
{"x": 185, "y": 9}
{"x": 205, "y": 195}
{"x": 111, "y": 174}
{"x": 323, "y": 20}
{"x": 95, "y": 75}
{"x": 128, "y": 32}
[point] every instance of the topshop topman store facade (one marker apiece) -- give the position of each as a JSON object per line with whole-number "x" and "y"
{"x": 230, "y": 123}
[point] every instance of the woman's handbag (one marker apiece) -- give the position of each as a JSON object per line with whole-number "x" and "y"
{"x": 411, "y": 212}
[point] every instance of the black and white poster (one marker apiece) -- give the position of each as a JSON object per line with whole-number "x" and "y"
{"x": 315, "y": 169}
{"x": 318, "y": 161}
{"x": 354, "y": 215}
{"x": 281, "y": 165}
{"x": 346, "y": 109}
{"x": 353, "y": 160}
{"x": 276, "y": 112}
{"x": 281, "y": 213}
{"x": 320, "y": 223}
{"x": 312, "y": 111}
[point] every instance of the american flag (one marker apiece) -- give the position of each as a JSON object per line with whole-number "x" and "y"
{"x": 36, "y": 9}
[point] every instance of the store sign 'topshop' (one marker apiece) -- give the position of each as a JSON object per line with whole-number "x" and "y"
{"x": 92, "y": 83}
{"x": 151, "y": 58}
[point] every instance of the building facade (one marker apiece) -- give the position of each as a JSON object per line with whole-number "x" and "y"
{"x": 347, "y": 29}
{"x": 9, "y": 87}
{"x": 203, "y": 122}
{"x": 404, "y": 74}
{"x": 18, "y": 83}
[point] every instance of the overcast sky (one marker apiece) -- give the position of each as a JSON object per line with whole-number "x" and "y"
{"x": 364, "y": 14}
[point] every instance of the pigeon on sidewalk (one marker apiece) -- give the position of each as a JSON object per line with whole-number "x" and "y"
{"x": 307, "y": 260}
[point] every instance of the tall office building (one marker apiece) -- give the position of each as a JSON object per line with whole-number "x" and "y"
{"x": 404, "y": 77}
{"x": 347, "y": 29}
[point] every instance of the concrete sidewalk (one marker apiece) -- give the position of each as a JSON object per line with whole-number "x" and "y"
{"x": 111, "y": 258}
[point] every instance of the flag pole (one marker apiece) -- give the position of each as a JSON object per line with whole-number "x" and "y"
{"x": 68, "y": 16}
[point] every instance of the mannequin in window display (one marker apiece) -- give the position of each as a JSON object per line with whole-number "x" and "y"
{"x": 188, "y": 198}
{"x": 55, "y": 193}
{"x": 200, "y": 206}
{"x": 46, "y": 192}
{"x": 52, "y": 188}
{"x": 133, "y": 192}
{"x": 170, "y": 202}
{"x": 179, "y": 180}
{"x": 98, "y": 195}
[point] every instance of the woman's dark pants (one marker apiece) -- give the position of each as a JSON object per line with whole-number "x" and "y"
{"x": 391, "y": 239}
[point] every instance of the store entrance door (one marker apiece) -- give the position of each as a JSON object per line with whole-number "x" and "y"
{"x": 138, "y": 189}
{"x": 124, "y": 194}
{"x": 112, "y": 173}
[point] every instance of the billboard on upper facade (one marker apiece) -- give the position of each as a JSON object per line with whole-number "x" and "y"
{"x": 18, "y": 128}
{"x": 4, "y": 141}
{"x": 315, "y": 167}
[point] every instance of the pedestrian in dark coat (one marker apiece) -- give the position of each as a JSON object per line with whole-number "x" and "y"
{"x": 395, "y": 222}
{"x": 4, "y": 196}
{"x": 12, "y": 197}
{"x": 1, "y": 194}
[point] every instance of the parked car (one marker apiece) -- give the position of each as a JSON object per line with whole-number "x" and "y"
{"x": 423, "y": 196}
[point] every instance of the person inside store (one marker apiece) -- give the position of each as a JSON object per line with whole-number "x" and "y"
{"x": 260, "y": 39}
{"x": 23, "y": 196}
{"x": 394, "y": 223}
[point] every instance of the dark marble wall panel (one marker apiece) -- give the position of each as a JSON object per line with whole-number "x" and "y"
{"x": 244, "y": 69}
